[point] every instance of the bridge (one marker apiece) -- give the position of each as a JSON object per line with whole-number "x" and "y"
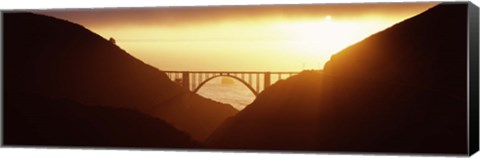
{"x": 255, "y": 81}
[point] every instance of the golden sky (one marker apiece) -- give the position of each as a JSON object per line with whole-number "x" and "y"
{"x": 240, "y": 38}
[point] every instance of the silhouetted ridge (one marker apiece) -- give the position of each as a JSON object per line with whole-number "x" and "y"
{"x": 400, "y": 90}
{"x": 283, "y": 117}
{"x": 60, "y": 59}
{"x": 53, "y": 58}
{"x": 42, "y": 121}
{"x": 419, "y": 52}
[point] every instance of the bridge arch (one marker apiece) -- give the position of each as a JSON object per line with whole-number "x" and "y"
{"x": 226, "y": 75}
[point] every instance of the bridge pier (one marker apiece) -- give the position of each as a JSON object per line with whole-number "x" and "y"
{"x": 186, "y": 80}
{"x": 258, "y": 82}
{"x": 266, "y": 80}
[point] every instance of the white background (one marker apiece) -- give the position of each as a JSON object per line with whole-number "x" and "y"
{"x": 106, "y": 153}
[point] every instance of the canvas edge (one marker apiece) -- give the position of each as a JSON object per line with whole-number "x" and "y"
{"x": 472, "y": 92}
{"x": 473, "y": 75}
{"x": 1, "y": 82}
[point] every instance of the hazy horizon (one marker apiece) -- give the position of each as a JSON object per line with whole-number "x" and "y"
{"x": 240, "y": 38}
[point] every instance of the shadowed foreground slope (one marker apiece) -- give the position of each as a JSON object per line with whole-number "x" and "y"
{"x": 42, "y": 121}
{"x": 400, "y": 90}
{"x": 53, "y": 58}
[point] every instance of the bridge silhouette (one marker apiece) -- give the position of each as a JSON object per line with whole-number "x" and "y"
{"x": 255, "y": 81}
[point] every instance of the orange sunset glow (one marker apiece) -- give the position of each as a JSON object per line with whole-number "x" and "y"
{"x": 246, "y": 38}
{"x": 355, "y": 78}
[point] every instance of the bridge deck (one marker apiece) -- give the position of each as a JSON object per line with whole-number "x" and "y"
{"x": 256, "y": 81}
{"x": 237, "y": 72}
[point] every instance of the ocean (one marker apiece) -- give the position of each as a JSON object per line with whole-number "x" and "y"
{"x": 234, "y": 93}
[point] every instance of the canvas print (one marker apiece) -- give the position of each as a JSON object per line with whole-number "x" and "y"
{"x": 356, "y": 78}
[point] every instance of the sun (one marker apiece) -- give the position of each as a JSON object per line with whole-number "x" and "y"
{"x": 328, "y": 17}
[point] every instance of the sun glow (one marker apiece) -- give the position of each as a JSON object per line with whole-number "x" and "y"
{"x": 231, "y": 40}
{"x": 280, "y": 45}
{"x": 328, "y": 18}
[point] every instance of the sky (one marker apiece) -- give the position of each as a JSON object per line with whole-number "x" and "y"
{"x": 240, "y": 38}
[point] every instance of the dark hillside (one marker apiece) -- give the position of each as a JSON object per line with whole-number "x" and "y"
{"x": 400, "y": 90}
{"x": 41, "y": 121}
{"x": 53, "y": 58}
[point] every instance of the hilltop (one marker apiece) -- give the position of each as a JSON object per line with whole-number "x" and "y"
{"x": 402, "y": 89}
{"x": 53, "y": 58}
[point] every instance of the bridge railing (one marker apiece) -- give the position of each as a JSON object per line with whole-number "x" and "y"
{"x": 256, "y": 81}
